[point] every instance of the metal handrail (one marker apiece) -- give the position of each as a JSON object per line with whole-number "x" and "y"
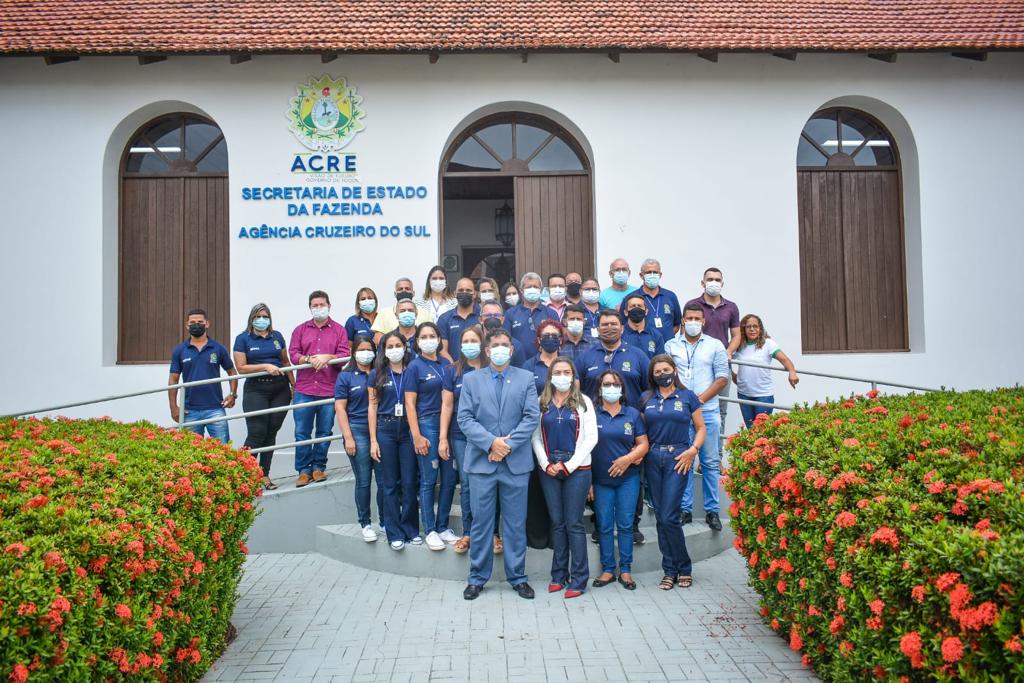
{"x": 262, "y": 411}
{"x": 873, "y": 382}
{"x": 762, "y": 404}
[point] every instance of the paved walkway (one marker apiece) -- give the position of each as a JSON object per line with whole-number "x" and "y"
{"x": 309, "y": 618}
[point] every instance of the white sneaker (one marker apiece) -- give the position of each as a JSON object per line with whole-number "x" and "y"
{"x": 397, "y": 545}
{"x": 369, "y": 535}
{"x": 434, "y": 541}
{"x": 417, "y": 540}
{"x": 449, "y": 536}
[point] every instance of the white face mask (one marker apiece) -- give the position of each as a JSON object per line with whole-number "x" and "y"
{"x": 575, "y": 327}
{"x": 557, "y": 293}
{"x": 693, "y": 327}
{"x": 561, "y": 382}
{"x": 713, "y": 288}
{"x": 531, "y": 294}
{"x": 320, "y": 312}
{"x": 591, "y": 296}
{"x": 438, "y": 286}
{"x": 428, "y": 345}
{"x": 512, "y": 299}
{"x": 364, "y": 357}
{"x": 486, "y": 297}
{"x": 395, "y": 354}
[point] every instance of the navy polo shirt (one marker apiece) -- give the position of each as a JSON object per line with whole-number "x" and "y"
{"x": 451, "y": 325}
{"x": 194, "y": 364}
{"x": 630, "y": 362}
{"x": 387, "y": 396}
{"x": 357, "y": 324}
{"x": 573, "y": 350}
{"x": 559, "y": 427}
{"x": 590, "y": 324}
{"x": 522, "y": 323}
{"x": 259, "y": 349}
{"x": 665, "y": 306}
{"x": 425, "y": 378}
{"x": 352, "y": 386}
{"x": 668, "y": 419}
{"x": 648, "y": 342}
{"x": 616, "y": 436}
{"x": 539, "y": 369}
{"x": 453, "y": 383}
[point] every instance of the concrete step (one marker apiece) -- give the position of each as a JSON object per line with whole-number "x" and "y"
{"x": 344, "y": 542}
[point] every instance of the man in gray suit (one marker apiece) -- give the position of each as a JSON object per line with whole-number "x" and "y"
{"x": 498, "y": 412}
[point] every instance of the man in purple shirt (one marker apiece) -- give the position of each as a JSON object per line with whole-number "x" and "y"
{"x": 316, "y": 342}
{"x": 721, "y": 321}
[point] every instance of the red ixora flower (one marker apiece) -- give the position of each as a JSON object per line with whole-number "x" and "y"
{"x": 910, "y": 645}
{"x": 123, "y": 611}
{"x": 18, "y": 549}
{"x": 846, "y": 519}
{"x": 887, "y": 536}
{"x": 952, "y": 649}
{"x": 851, "y": 442}
{"x": 19, "y": 674}
{"x": 917, "y": 592}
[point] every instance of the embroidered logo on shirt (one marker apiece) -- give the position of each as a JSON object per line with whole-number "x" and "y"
{"x": 668, "y": 309}
{"x": 213, "y": 357}
{"x": 651, "y": 346}
{"x": 628, "y": 428}
{"x": 626, "y": 366}
{"x": 678, "y": 405}
{"x": 277, "y": 345}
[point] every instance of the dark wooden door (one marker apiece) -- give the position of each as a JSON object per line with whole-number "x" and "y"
{"x": 173, "y": 257}
{"x": 554, "y": 225}
{"x": 852, "y": 280}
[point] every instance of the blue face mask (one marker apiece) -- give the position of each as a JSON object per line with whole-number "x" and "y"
{"x": 620, "y": 277}
{"x": 500, "y": 355}
{"x": 367, "y": 305}
{"x": 261, "y": 323}
{"x": 611, "y": 394}
{"x": 550, "y": 344}
{"x": 406, "y": 318}
{"x": 652, "y": 280}
{"x": 470, "y": 350}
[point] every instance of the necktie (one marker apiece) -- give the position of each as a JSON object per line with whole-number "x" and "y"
{"x": 500, "y": 379}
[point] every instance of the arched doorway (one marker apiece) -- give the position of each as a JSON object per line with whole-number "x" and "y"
{"x": 516, "y": 194}
{"x": 173, "y": 236}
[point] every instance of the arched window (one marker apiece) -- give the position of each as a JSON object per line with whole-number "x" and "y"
{"x": 515, "y": 144}
{"x": 852, "y": 266}
{"x": 173, "y": 236}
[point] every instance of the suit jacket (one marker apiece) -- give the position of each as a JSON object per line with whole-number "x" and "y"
{"x": 482, "y": 418}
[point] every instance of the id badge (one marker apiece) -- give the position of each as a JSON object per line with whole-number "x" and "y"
{"x": 686, "y": 374}
{"x": 399, "y": 410}
{"x": 593, "y": 332}
{"x": 657, "y": 322}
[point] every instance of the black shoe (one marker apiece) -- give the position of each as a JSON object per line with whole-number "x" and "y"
{"x": 687, "y": 517}
{"x": 638, "y": 537}
{"x": 714, "y": 522}
{"x": 594, "y": 537}
{"x": 523, "y": 590}
{"x": 472, "y": 592}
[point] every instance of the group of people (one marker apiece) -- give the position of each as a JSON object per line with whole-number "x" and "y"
{"x": 535, "y": 400}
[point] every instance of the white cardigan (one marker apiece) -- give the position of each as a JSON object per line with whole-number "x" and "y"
{"x": 585, "y": 441}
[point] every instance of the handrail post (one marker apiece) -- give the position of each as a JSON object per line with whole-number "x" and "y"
{"x": 874, "y": 386}
{"x": 181, "y": 412}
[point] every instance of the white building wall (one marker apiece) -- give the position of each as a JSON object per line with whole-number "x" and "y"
{"x": 693, "y": 161}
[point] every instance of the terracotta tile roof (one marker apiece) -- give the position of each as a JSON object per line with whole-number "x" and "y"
{"x": 187, "y": 26}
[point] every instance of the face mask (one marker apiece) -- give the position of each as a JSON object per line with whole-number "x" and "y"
{"x": 557, "y": 293}
{"x": 428, "y": 345}
{"x": 591, "y": 296}
{"x": 406, "y": 318}
{"x": 367, "y": 305}
{"x": 261, "y": 323}
{"x": 575, "y": 327}
{"x": 470, "y": 350}
{"x": 438, "y": 286}
{"x": 395, "y": 354}
{"x": 620, "y": 277}
{"x": 636, "y": 314}
{"x": 486, "y": 297}
{"x": 550, "y": 344}
{"x": 512, "y": 299}
{"x": 561, "y": 382}
{"x": 611, "y": 394}
{"x": 492, "y": 324}
{"x": 500, "y": 355}
{"x": 693, "y": 327}
{"x": 713, "y": 288}
{"x": 465, "y": 299}
{"x": 531, "y": 294}
{"x": 652, "y": 280}
{"x": 664, "y": 380}
{"x": 364, "y": 357}
{"x": 402, "y": 296}
{"x": 573, "y": 288}
{"x": 197, "y": 329}
{"x": 320, "y": 312}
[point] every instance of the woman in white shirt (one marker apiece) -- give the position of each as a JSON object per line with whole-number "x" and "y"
{"x": 437, "y": 296}
{"x": 755, "y": 384}
{"x": 562, "y": 443}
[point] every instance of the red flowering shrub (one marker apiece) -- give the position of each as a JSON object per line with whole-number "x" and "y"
{"x": 121, "y": 547}
{"x": 900, "y": 550}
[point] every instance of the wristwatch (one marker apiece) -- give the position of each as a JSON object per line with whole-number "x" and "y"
{"x": 233, "y": 394}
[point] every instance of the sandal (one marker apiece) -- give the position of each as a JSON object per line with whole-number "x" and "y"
{"x": 499, "y": 546}
{"x": 685, "y": 581}
{"x": 461, "y": 545}
{"x": 628, "y": 584}
{"x": 268, "y": 485}
{"x": 667, "y": 583}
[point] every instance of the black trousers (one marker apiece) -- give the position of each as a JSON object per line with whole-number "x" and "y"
{"x": 260, "y": 393}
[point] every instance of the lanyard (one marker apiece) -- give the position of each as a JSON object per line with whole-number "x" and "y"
{"x": 690, "y": 356}
{"x": 396, "y": 384}
{"x": 654, "y": 303}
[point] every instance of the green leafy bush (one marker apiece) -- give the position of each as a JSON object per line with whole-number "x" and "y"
{"x": 886, "y": 535}
{"x": 121, "y": 547}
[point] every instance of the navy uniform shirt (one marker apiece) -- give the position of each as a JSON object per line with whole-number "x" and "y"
{"x": 559, "y": 427}
{"x": 453, "y": 383}
{"x": 539, "y": 369}
{"x": 590, "y": 324}
{"x": 664, "y": 306}
{"x": 357, "y": 324}
{"x": 387, "y": 395}
{"x": 451, "y": 325}
{"x": 648, "y": 342}
{"x": 259, "y": 349}
{"x": 351, "y": 386}
{"x": 668, "y": 419}
{"x": 630, "y": 362}
{"x": 425, "y": 379}
{"x": 194, "y": 365}
{"x": 573, "y": 350}
{"x": 616, "y": 436}
{"x": 522, "y": 323}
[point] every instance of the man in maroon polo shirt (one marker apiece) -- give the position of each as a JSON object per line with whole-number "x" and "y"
{"x": 721, "y": 321}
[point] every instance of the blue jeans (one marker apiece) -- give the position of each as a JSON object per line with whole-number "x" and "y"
{"x": 667, "y": 488}
{"x": 458, "y": 449}
{"x": 750, "y": 412}
{"x": 710, "y": 464}
{"x": 216, "y": 430}
{"x": 312, "y": 457}
{"x": 615, "y": 507}
{"x": 363, "y": 467}
{"x": 396, "y": 476}
{"x": 565, "y": 500}
{"x": 430, "y": 467}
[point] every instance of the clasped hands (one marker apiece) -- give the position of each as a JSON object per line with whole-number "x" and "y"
{"x": 499, "y": 449}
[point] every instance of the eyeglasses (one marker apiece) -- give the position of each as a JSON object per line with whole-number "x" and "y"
{"x": 611, "y": 386}
{"x": 752, "y": 327}
{"x": 490, "y": 316}
{"x": 556, "y": 337}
